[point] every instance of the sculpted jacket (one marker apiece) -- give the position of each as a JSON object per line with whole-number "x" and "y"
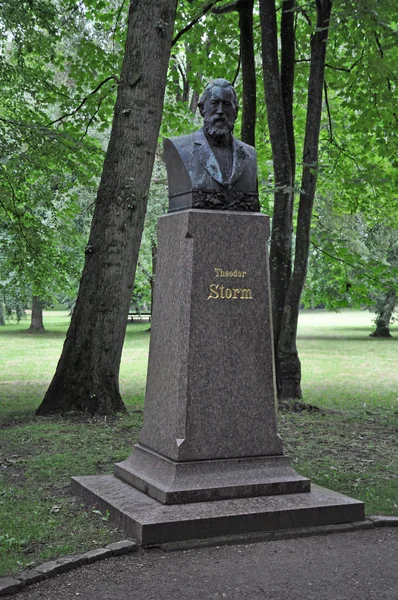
{"x": 195, "y": 178}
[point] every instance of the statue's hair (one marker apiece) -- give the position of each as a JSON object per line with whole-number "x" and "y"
{"x": 223, "y": 83}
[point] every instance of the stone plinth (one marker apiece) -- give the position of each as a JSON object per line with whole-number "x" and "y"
{"x": 153, "y": 523}
{"x": 210, "y": 428}
{"x": 173, "y": 482}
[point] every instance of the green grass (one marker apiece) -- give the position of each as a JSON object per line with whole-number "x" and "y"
{"x": 349, "y": 445}
{"x": 28, "y": 361}
{"x": 343, "y": 367}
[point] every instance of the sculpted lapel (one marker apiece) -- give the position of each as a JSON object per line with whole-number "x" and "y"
{"x": 239, "y": 161}
{"x": 207, "y": 159}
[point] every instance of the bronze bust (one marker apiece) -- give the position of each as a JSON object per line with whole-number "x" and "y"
{"x": 211, "y": 169}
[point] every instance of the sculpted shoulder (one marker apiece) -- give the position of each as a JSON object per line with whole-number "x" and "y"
{"x": 182, "y": 141}
{"x": 248, "y": 149}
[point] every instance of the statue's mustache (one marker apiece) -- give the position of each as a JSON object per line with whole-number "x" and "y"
{"x": 218, "y": 121}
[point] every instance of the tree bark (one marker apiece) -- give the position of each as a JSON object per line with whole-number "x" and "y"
{"x": 248, "y": 129}
{"x": 2, "y": 316}
{"x": 286, "y": 354}
{"x": 247, "y": 59}
{"x": 288, "y": 57}
{"x": 87, "y": 376}
{"x": 281, "y": 236}
{"x": 384, "y": 315}
{"x": 36, "y": 320}
{"x": 193, "y": 105}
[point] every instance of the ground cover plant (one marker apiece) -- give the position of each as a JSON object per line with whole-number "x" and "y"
{"x": 347, "y": 442}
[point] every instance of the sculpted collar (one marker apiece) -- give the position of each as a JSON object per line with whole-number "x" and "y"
{"x": 206, "y": 157}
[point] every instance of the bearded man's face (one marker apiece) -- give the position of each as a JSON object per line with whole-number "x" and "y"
{"x": 219, "y": 112}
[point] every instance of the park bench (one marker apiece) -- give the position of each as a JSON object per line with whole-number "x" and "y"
{"x": 138, "y": 317}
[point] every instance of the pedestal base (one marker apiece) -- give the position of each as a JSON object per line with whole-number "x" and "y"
{"x": 152, "y": 523}
{"x": 172, "y": 482}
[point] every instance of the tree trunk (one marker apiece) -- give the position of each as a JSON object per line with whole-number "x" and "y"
{"x": 249, "y": 105}
{"x": 281, "y": 237}
{"x": 384, "y": 315}
{"x": 287, "y": 77}
{"x": 36, "y": 321}
{"x": 193, "y": 105}
{"x": 248, "y": 130}
{"x": 87, "y": 376}
{"x": 286, "y": 355}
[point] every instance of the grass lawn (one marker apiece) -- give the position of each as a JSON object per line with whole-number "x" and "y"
{"x": 350, "y": 445}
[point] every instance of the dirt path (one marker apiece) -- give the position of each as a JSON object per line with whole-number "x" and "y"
{"x": 346, "y": 566}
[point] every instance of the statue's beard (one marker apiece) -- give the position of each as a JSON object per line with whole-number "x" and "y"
{"x": 220, "y": 130}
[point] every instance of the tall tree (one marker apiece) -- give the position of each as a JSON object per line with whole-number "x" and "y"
{"x": 87, "y": 374}
{"x": 278, "y": 84}
{"x": 247, "y": 63}
{"x": 36, "y": 321}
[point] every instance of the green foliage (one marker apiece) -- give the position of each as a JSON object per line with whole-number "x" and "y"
{"x": 353, "y": 260}
{"x": 359, "y": 140}
{"x": 59, "y": 66}
{"x": 157, "y": 206}
{"x": 208, "y": 50}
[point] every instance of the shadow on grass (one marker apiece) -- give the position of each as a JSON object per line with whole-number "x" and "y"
{"x": 48, "y": 334}
{"x": 138, "y": 330}
{"x": 347, "y": 338}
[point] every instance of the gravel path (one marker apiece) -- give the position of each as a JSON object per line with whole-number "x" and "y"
{"x": 362, "y": 565}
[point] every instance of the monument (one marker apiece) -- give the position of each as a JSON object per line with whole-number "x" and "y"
{"x": 209, "y": 461}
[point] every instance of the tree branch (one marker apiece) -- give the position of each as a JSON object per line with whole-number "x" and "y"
{"x": 205, "y": 10}
{"x": 91, "y": 119}
{"x": 237, "y": 72}
{"x": 228, "y": 8}
{"x": 379, "y": 46}
{"x": 325, "y": 88}
{"x": 305, "y": 15}
{"x": 334, "y": 68}
{"x": 345, "y": 262}
{"x": 71, "y": 13}
{"x": 53, "y": 89}
{"x": 74, "y": 111}
{"x": 119, "y": 12}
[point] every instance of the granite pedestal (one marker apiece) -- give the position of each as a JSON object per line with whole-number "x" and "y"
{"x": 210, "y": 442}
{"x": 210, "y": 428}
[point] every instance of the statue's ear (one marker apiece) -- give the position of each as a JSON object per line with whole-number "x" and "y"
{"x": 200, "y": 106}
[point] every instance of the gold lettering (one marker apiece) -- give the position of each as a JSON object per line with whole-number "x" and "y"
{"x": 235, "y": 273}
{"x": 219, "y": 292}
{"x": 213, "y": 291}
{"x": 246, "y": 294}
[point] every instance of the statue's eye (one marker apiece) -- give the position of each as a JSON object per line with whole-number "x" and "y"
{"x": 227, "y": 103}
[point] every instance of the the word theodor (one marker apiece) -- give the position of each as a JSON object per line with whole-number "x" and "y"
{"x": 221, "y": 292}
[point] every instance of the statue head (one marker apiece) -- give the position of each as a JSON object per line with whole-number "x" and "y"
{"x": 218, "y": 106}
